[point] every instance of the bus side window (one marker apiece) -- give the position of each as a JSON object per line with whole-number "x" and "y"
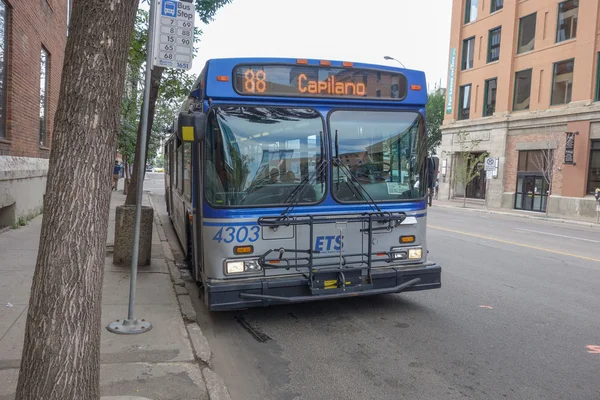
{"x": 178, "y": 165}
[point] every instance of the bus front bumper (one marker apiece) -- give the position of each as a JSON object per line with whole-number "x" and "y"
{"x": 240, "y": 294}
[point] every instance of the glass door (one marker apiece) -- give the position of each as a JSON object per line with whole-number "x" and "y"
{"x": 532, "y": 193}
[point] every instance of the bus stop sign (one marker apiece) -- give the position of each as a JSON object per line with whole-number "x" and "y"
{"x": 173, "y": 35}
{"x": 489, "y": 164}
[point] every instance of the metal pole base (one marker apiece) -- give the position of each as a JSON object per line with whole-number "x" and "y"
{"x": 129, "y": 326}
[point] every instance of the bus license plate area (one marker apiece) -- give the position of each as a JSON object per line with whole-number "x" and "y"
{"x": 335, "y": 281}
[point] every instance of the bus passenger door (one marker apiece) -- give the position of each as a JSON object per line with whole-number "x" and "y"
{"x": 171, "y": 172}
{"x": 197, "y": 202}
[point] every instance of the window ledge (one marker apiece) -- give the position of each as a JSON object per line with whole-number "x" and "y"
{"x": 5, "y": 141}
{"x": 493, "y": 62}
{"x": 565, "y": 41}
{"x": 525, "y": 53}
{"x": 44, "y": 148}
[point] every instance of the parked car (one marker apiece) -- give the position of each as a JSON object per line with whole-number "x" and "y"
{"x": 159, "y": 169}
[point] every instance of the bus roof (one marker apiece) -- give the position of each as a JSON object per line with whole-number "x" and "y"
{"x": 219, "y": 78}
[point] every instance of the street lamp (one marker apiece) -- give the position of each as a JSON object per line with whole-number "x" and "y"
{"x": 392, "y": 58}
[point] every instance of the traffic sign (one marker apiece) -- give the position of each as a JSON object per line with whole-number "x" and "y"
{"x": 489, "y": 164}
{"x": 173, "y": 36}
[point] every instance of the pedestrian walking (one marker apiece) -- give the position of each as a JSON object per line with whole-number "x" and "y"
{"x": 116, "y": 175}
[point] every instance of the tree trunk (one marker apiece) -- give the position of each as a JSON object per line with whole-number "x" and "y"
{"x": 465, "y": 196}
{"x": 61, "y": 353}
{"x": 127, "y": 177}
{"x": 548, "y": 197}
{"x": 131, "y": 190}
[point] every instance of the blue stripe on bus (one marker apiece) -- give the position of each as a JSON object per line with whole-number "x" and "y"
{"x": 241, "y": 213}
{"x": 252, "y": 223}
{"x": 249, "y": 223}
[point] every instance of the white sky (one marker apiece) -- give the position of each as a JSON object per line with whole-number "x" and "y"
{"x": 414, "y": 32}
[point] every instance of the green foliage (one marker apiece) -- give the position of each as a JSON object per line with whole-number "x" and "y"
{"x": 435, "y": 117}
{"x": 174, "y": 85}
{"x": 159, "y": 161}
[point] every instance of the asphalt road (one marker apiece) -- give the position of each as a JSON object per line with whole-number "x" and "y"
{"x": 517, "y": 318}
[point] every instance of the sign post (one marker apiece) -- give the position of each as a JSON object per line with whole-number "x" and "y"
{"x": 170, "y": 45}
{"x": 489, "y": 166}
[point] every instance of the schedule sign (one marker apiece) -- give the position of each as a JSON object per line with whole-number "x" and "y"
{"x": 174, "y": 34}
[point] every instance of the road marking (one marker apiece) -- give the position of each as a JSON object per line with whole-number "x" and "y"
{"x": 556, "y": 234}
{"x": 593, "y": 349}
{"x": 515, "y": 243}
{"x": 486, "y": 307}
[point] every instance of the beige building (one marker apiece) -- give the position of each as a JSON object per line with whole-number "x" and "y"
{"x": 524, "y": 78}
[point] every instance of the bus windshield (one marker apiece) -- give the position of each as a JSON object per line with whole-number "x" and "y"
{"x": 381, "y": 151}
{"x": 259, "y": 155}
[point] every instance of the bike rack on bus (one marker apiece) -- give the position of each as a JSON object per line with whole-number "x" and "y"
{"x": 341, "y": 264}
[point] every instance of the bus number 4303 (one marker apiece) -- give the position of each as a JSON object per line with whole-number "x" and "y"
{"x": 239, "y": 235}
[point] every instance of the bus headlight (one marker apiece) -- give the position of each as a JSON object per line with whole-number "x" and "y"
{"x": 234, "y": 267}
{"x": 238, "y": 267}
{"x": 415, "y": 254}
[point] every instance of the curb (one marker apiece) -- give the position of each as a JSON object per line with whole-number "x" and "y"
{"x": 217, "y": 390}
{"x": 547, "y": 219}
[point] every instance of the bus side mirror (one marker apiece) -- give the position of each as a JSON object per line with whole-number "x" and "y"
{"x": 191, "y": 126}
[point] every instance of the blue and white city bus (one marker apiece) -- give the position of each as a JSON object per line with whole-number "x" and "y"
{"x": 294, "y": 180}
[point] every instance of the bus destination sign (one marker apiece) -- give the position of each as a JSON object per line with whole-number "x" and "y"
{"x": 317, "y": 81}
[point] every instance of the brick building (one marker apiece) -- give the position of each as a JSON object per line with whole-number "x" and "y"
{"x": 522, "y": 76}
{"x": 33, "y": 35}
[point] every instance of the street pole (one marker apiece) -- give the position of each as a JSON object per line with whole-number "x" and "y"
{"x": 132, "y": 325}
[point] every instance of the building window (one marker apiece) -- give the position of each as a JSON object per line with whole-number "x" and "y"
{"x": 471, "y": 11}
{"x": 566, "y": 27}
{"x": 594, "y": 170}
{"x": 497, "y": 5}
{"x": 526, "y": 33}
{"x": 464, "y": 102}
{"x": 468, "y": 54}
{"x": 44, "y": 64}
{"x": 494, "y": 44}
{"x": 3, "y": 63}
{"x": 489, "y": 102}
{"x": 562, "y": 82}
{"x": 522, "y": 94}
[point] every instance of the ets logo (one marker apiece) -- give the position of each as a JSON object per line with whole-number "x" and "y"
{"x": 329, "y": 243}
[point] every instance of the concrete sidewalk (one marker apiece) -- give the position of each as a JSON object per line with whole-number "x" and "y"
{"x": 479, "y": 206}
{"x": 171, "y": 361}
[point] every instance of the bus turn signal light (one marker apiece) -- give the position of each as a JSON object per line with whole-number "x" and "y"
{"x": 301, "y": 61}
{"x": 407, "y": 239}
{"x": 223, "y": 78}
{"x": 243, "y": 250}
{"x": 415, "y": 87}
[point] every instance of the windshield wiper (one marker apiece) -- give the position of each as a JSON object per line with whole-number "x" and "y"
{"x": 296, "y": 195}
{"x": 357, "y": 185}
